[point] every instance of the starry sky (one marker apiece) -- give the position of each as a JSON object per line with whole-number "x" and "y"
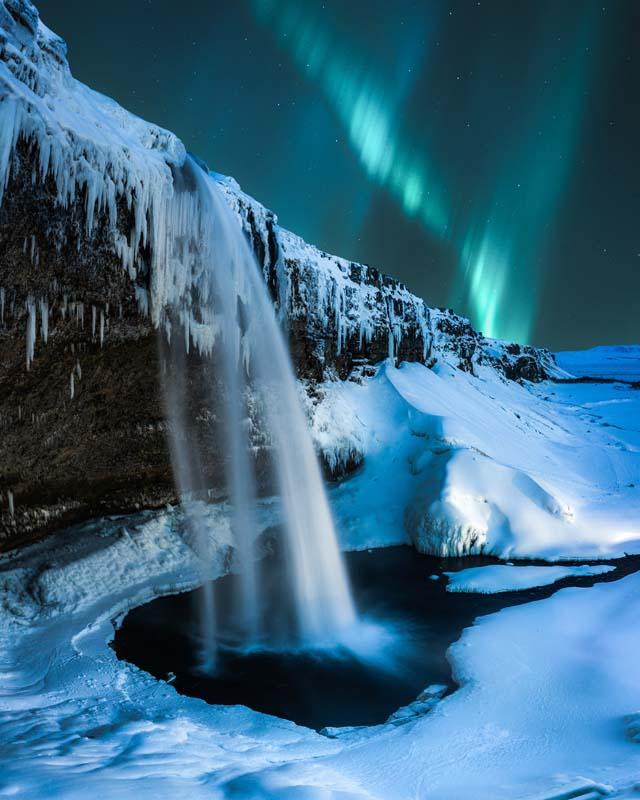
{"x": 485, "y": 152}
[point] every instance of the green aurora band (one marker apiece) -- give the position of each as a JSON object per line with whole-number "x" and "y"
{"x": 499, "y": 244}
{"x": 502, "y": 250}
{"x": 367, "y": 106}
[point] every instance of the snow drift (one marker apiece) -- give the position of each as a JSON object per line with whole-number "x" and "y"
{"x": 459, "y": 463}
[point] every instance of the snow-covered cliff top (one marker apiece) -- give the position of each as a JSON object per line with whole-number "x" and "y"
{"x": 121, "y": 171}
{"x": 94, "y": 150}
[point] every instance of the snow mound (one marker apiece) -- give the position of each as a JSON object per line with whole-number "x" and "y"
{"x": 497, "y": 578}
{"x": 463, "y": 463}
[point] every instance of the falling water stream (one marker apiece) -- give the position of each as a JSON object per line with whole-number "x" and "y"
{"x": 207, "y": 280}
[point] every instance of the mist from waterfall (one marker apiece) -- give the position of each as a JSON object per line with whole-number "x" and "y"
{"x": 207, "y": 285}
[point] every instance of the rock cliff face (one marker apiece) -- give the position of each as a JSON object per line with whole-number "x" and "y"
{"x": 82, "y": 426}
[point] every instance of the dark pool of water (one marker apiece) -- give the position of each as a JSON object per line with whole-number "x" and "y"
{"x": 417, "y": 617}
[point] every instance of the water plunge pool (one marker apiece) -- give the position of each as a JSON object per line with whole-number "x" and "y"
{"x": 413, "y": 620}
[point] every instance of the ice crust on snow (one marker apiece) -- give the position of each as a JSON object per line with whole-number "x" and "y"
{"x": 496, "y": 578}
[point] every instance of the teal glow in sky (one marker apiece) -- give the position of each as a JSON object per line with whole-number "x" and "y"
{"x": 482, "y": 151}
{"x": 500, "y": 243}
{"x": 504, "y": 244}
{"x": 368, "y": 104}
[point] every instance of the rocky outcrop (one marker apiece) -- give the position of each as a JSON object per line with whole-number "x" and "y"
{"x": 82, "y": 426}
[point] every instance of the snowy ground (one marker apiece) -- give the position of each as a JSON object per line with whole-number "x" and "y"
{"x": 622, "y": 362}
{"x": 549, "y": 701}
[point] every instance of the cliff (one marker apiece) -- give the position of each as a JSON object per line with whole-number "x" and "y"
{"x": 83, "y": 182}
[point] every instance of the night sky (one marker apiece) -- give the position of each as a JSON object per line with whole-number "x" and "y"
{"x": 485, "y": 153}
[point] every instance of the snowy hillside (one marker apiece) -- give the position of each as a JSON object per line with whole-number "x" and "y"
{"x": 123, "y": 172}
{"x": 342, "y": 315}
{"x": 467, "y": 463}
{"x": 468, "y": 453}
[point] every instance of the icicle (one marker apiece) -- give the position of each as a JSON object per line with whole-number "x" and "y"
{"x": 44, "y": 320}
{"x": 31, "y": 329}
{"x": 101, "y": 327}
{"x": 78, "y": 370}
{"x": 12, "y": 508}
{"x": 72, "y": 390}
{"x": 1, "y": 305}
{"x": 93, "y": 322}
{"x": 142, "y": 298}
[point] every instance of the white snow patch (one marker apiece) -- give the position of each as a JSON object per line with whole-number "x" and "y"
{"x": 496, "y": 578}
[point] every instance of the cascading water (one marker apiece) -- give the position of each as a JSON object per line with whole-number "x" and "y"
{"x": 205, "y": 278}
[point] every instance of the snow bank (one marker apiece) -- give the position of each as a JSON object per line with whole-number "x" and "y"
{"x": 497, "y": 578}
{"x": 542, "y": 712}
{"x": 460, "y": 464}
{"x": 73, "y": 719}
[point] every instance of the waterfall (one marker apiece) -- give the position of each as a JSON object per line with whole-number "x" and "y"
{"x": 206, "y": 282}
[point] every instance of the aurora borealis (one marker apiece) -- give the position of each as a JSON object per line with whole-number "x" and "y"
{"x": 483, "y": 152}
